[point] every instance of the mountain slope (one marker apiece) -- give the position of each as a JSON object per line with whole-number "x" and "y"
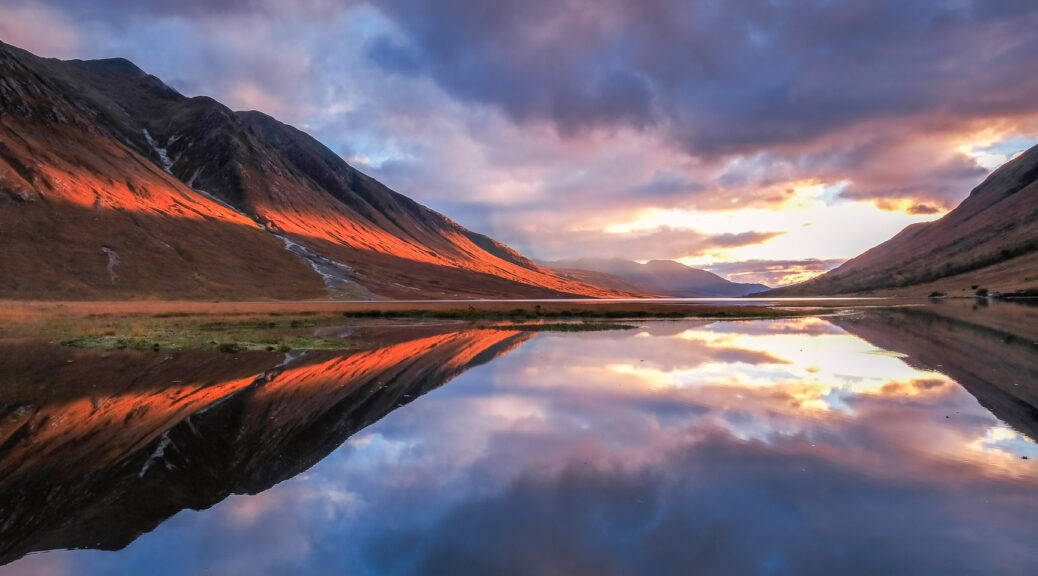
{"x": 115, "y": 185}
{"x": 990, "y": 240}
{"x": 661, "y": 277}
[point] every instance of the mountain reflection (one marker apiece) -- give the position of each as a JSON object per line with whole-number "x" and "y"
{"x": 100, "y": 447}
{"x": 848, "y": 445}
{"x": 995, "y": 360}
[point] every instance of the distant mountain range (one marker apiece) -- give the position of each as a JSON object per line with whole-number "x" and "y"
{"x": 656, "y": 277}
{"x": 114, "y": 185}
{"x": 989, "y": 241}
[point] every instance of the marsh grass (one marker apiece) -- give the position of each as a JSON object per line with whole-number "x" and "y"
{"x": 227, "y": 345}
{"x": 276, "y": 326}
{"x": 179, "y": 331}
{"x": 565, "y": 327}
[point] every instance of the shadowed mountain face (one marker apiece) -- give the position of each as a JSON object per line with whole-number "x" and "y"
{"x": 97, "y": 448}
{"x": 112, "y": 184}
{"x": 658, "y": 277}
{"x": 964, "y": 344}
{"x": 990, "y": 240}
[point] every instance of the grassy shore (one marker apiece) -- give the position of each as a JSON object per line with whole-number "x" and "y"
{"x": 282, "y": 326}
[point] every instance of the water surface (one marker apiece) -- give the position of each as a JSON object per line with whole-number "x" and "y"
{"x": 878, "y": 443}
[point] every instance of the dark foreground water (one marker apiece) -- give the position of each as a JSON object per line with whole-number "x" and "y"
{"x": 883, "y": 443}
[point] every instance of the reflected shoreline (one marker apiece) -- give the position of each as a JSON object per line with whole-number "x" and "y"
{"x": 100, "y": 446}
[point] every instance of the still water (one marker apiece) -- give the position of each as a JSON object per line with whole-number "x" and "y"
{"x": 872, "y": 443}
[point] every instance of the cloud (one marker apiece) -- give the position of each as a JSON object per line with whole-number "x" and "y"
{"x": 773, "y": 273}
{"x": 23, "y": 26}
{"x": 729, "y": 240}
{"x": 838, "y": 91}
{"x": 657, "y": 243}
{"x": 726, "y": 77}
{"x": 923, "y": 209}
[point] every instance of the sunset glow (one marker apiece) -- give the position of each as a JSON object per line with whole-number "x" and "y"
{"x": 808, "y": 224}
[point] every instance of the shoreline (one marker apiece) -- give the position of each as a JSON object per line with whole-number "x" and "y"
{"x": 13, "y": 310}
{"x": 303, "y": 324}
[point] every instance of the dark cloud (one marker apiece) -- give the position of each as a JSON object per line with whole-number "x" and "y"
{"x": 741, "y": 239}
{"x": 393, "y": 56}
{"x": 666, "y": 183}
{"x": 897, "y": 166}
{"x": 728, "y": 76}
{"x": 835, "y": 90}
{"x": 530, "y": 59}
{"x": 658, "y": 243}
{"x": 922, "y": 209}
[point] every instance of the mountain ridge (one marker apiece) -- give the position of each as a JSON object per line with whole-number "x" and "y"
{"x": 81, "y": 138}
{"x": 656, "y": 277}
{"x": 990, "y": 241}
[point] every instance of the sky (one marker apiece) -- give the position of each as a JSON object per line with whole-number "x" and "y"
{"x": 766, "y": 140}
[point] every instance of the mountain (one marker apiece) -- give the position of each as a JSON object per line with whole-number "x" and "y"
{"x": 659, "y": 277}
{"x": 170, "y": 432}
{"x": 989, "y": 241}
{"x": 114, "y": 185}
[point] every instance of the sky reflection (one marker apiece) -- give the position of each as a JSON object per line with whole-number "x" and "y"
{"x": 761, "y": 447}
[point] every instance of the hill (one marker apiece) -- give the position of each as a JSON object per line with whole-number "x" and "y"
{"x": 658, "y": 277}
{"x": 988, "y": 241}
{"x": 114, "y": 185}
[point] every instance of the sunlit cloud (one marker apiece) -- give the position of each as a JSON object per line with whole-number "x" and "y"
{"x": 242, "y": 511}
{"x": 815, "y": 225}
{"x": 997, "y": 151}
{"x": 773, "y": 272}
